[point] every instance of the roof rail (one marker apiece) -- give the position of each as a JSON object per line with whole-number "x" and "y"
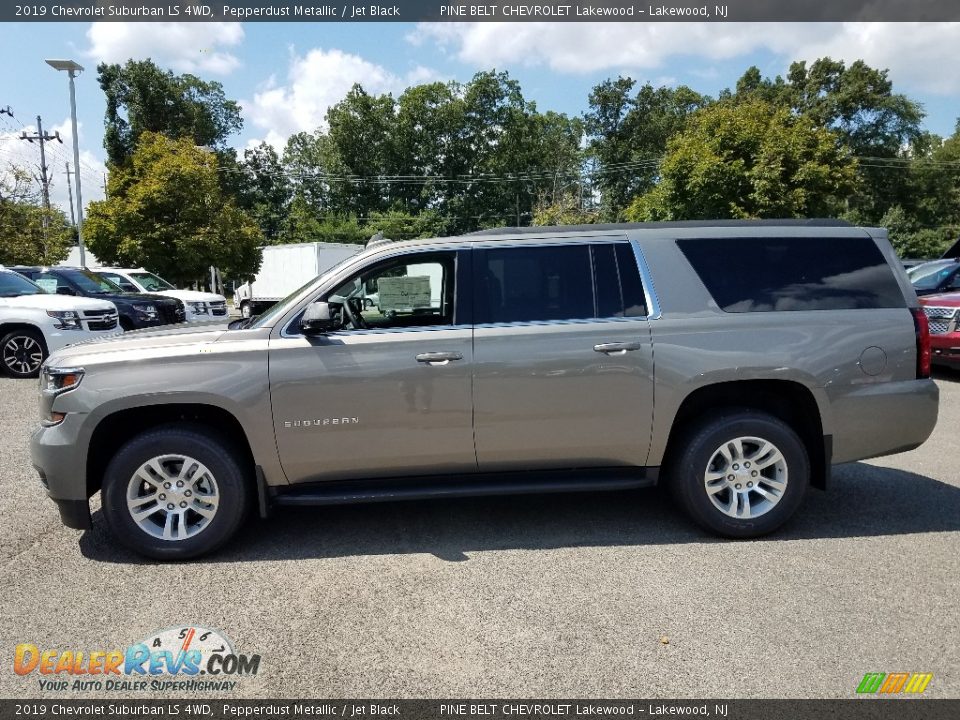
{"x": 786, "y": 222}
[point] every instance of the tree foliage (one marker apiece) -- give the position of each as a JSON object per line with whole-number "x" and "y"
{"x": 750, "y": 159}
{"x": 141, "y": 97}
{"x": 167, "y": 212}
{"x": 30, "y": 233}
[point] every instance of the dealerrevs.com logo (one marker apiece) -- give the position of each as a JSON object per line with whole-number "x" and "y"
{"x": 185, "y": 658}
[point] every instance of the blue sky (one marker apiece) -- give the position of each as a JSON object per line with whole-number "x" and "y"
{"x": 287, "y": 74}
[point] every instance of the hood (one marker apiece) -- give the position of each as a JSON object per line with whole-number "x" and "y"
{"x": 138, "y": 298}
{"x": 151, "y": 339}
{"x": 951, "y": 299}
{"x": 188, "y": 296}
{"x": 49, "y": 301}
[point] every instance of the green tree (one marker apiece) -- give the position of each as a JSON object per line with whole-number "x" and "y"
{"x": 628, "y": 135}
{"x": 141, "y": 97}
{"x": 31, "y": 234}
{"x": 265, "y": 190}
{"x": 749, "y": 160}
{"x": 166, "y": 211}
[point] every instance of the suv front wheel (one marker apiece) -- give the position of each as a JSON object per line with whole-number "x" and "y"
{"x": 741, "y": 474}
{"x": 175, "y": 492}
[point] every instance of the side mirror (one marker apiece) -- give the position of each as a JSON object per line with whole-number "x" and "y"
{"x": 64, "y": 290}
{"x": 316, "y": 319}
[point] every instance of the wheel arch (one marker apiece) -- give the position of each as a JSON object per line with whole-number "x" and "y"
{"x": 117, "y": 428}
{"x": 788, "y": 400}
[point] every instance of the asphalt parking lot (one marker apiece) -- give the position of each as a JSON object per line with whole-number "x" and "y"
{"x": 613, "y": 595}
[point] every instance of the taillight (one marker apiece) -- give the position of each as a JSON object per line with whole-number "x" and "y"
{"x": 922, "y": 326}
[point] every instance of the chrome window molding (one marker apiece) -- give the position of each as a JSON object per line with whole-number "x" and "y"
{"x": 650, "y": 294}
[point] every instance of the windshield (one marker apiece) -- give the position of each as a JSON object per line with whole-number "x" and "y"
{"x": 151, "y": 282}
{"x": 14, "y": 285}
{"x": 278, "y": 308}
{"x": 930, "y": 275}
{"x": 90, "y": 282}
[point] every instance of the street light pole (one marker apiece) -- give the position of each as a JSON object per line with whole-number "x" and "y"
{"x": 73, "y": 69}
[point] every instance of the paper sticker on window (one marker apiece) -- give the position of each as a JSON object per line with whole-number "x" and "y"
{"x": 47, "y": 284}
{"x": 404, "y": 293}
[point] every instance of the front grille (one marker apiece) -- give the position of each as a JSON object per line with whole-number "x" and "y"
{"x": 941, "y": 319}
{"x": 218, "y": 308}
{"x": 172, "y": 313}
{"x": 105, "y": 324}
{"x": 97, "y": 313}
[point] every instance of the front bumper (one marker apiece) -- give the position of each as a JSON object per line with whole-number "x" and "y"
{"x": 945, "y": 348}
{"x": 60, "y": 459}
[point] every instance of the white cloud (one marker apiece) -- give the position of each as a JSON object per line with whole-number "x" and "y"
{"x": 26, "y": 155}
{"x": 184, "y": 47}
{"x": 315, "y": 81}
{"x": 915, "y": 53}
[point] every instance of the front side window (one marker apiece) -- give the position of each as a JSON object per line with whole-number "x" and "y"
{"x": 14, "y": 285}
{"x": 90, "y": 282}
{"x": 557, "y": 282}
{"x": 408, "y": 291}
{"x": 120, "y": 282}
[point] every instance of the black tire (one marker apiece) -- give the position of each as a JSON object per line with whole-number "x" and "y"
{"x": 126, "y": 324}
{"x": 233, "y": 484}
{"x": 22, "y": 352}
{"x": 697, "y": 454}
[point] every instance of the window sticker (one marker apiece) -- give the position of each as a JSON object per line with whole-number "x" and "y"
{"x": 404, "y": 293}
{"x": 48, "y": 285}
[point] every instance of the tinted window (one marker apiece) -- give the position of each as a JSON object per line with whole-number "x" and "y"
{"x": 562, "y": 282}
{"x": 765, "y": 274}
{"x": 12, "y": 285}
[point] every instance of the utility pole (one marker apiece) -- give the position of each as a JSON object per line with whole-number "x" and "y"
{"x": 43, "y": 137}
{"x": 70, "y": 193}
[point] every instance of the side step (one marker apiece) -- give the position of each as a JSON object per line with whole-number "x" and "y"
{"x": 361, "y": 491}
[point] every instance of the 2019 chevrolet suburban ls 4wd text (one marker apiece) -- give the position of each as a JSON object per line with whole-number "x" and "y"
{"x": 733, "y": 361}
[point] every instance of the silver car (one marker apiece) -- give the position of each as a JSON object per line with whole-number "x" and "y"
{"x": 734, "y": 361}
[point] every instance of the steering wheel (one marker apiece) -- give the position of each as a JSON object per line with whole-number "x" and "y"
{"x": 353, "y": 314}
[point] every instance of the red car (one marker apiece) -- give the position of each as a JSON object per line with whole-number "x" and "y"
{"x": 943, "y": 313}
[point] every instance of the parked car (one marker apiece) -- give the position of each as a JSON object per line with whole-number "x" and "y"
{"x": 137, "y": 310}
{"x": 943, "y": 314}
{"x": 199, "y": 306}
{"x": 34, "y": 323}
{"x": 936, "y": 276}
{"x": 519, "y": 361}
{"x": 285, "y": 268}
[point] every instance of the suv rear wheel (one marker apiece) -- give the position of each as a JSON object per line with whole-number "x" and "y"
{"x": 741, "y": 474}
{"x": 23, "y": 352}
{"x": 175, "y": 492}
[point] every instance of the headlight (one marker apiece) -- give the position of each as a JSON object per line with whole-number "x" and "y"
{"x": 53, "y": 382}
{"x": 66, "y": 319}
{"x": 148, "y": 311}
{"x": 198, "y": 308}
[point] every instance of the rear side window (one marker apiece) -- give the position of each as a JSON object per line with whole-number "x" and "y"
{"x": 559, "y": 282}
{"x": 777, "y": 274}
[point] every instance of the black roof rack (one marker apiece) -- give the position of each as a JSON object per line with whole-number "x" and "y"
{"x": 791, "y": 222}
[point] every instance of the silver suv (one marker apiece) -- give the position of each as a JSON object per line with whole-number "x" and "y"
{"x": 733, "y": 361}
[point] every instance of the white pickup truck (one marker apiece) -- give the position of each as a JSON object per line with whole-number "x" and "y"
{"x": 198, "y": 305}
{"x": 34, "y": 323}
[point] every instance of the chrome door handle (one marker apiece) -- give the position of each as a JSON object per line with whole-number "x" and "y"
{"x": 617, "y": 348}
{"x": 438, "y": 358}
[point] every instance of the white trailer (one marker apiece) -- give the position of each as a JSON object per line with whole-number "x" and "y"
{"x": 284, "y": 269}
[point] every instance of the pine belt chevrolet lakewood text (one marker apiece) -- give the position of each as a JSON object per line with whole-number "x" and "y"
{"x": 734, "y": 361}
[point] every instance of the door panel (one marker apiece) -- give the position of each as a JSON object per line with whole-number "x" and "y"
{"x": 543, "y": 396}
{"x": 360, "y": 404}
{"x": 562, "y": 355}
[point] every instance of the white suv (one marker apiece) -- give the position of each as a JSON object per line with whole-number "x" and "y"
{"x": 199, "y": 305}
{"x": 34, "y": 323}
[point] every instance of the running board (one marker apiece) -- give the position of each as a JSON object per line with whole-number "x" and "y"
{"x": 349, "y": 493}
